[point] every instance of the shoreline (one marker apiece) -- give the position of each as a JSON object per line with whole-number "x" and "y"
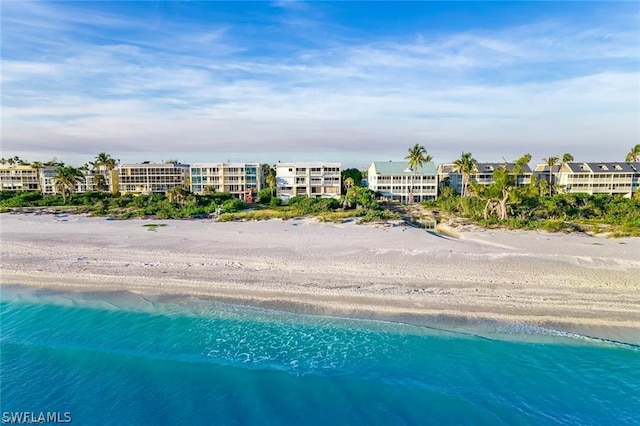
{"x": 566, "y": 283}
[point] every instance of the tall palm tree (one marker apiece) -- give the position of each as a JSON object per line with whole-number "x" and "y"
{"x": 66, "y": 179}
{"x": 417, "y": 156}
{"x": 100, "y": 183}
{"x": 634, "y": 154}
{"x": 178, "y": 194}
{"x": 271, "y": 179}
{"x": 566, "y": 158}
{"x": 105, "y": 164}
{"x": 551, "y": 162}
{"x": 349, "y": 183}
{"x": 38, "y": 166}
{"x": 465, "y": 165}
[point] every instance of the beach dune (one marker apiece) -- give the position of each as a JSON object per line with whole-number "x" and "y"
{"x": 570, "y": 282}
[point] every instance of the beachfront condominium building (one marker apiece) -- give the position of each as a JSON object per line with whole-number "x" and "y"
{"x": 397, "y": 181}
{"x": 19, "y": 178}
{"x": 88, "y": 183}
{"x": 149, "y": 178}
{"x": 241, "y": 180}
{"x": 483, "y": 174}
{"x": 308, "y": 180}
{"x": 599, "y": 178}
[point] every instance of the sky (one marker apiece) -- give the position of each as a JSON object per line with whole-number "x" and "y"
{"x": 344, "y": 81}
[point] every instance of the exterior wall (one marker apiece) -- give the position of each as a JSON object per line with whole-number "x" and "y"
{"x": 584, "y": 179}
{"x": 599, "y": 183}
{"x": 239, "y": 179}
{"x": 148, "y": 178}
{"x": 404, "y": 187}
{"x": 19, "y": 178}
{"x": 308, "y": 180}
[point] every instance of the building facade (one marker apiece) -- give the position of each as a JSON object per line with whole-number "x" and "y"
{"x": 483, "y": 175}
{"x": 599, "y": 178}
{"x": 308, "y": 180}
{"x": 395, "y": 180}
{"x": 150, "y": 178}
{"x": 19, "y": 178}
{"x": 241, "y": 180}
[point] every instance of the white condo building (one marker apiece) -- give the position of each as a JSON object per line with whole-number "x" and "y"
{"x": 19, "y": 178}
{"x": 308, "y": 180}
{"x": 149, "y": 178}
{"x": 395, "y": 180}
{"x": 599, "y": 178}
{"x": 241, "y": 180}
{"x": 483, "y": 175}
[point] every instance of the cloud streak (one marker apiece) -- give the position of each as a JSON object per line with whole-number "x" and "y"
{"x": 192, "y": 88}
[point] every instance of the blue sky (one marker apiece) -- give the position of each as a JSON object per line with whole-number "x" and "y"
{"x": 337, "y": 81}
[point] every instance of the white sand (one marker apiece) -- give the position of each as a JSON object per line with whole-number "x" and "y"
{"x": 572, "y": 282}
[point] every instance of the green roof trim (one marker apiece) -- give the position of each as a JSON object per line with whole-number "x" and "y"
{"x": 401, "y": 168}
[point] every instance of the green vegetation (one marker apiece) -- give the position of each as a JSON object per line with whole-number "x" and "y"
{"x": 175, "y": 205}
{"x": 179, "y": 203}
{"x": 526, "y": 209}
{"x": 350, "y": 178}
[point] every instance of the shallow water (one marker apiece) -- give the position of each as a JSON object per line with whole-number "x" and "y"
{"x": 124, "y": 358}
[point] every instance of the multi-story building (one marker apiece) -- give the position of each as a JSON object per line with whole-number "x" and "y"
{"x": 308, "y": 180}
{"x": 241, "y": 180}
{"x": 148, "y": 177}
{"x": 599, "y": 178}
{"x": 19, "y": 178}
{"x": 395, "y": 180}
{"x": 483, "y": 175}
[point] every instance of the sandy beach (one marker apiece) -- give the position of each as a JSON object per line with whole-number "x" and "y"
{"x": 573, "y": 282}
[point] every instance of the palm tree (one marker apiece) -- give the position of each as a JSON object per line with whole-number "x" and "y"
{"x": 465, "y": 165}
{"x": 100, "y": 183}
{"x": 38, "y": 166}
{"x": 634, "y": 154}
{"x": 66, "y": 179}
{"x": 178, "y": 194}
{"x": 551, "y": 162}
{"x": 271, "y": 179}
{"x": 3, "y": 161}
{"x": 566, "y": 158}
{"x": 105, "y": 163}
{"x": 349, "y": 183}
{"x": 417, "y": 156}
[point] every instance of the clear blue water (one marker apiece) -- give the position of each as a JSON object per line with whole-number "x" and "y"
{"x": 118, "y": 358}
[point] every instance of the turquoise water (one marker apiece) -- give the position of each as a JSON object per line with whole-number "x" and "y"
{"x": 119, "y": 358}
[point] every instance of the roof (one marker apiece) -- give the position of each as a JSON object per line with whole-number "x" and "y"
{"x": 578, "y": 167}
{"x": 402, "y": 168}
{"x": 490, "y": 167}
{"x": 155, "y": 165}
{"x": 309, "y": 164}
{"x": 225, "y": 165}
{"x": 611, "y": 167}
{"x": 636, "y": 166}
{"x": 545, "y": 168}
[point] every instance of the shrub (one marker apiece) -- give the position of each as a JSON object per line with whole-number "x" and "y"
{"x": 264, "y": 196}
{"x": 232, "y": 206}
{"x": 275, "y": 201}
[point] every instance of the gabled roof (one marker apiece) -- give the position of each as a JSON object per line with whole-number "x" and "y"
{"x": 402, "y": 168}
{"x": 636, "y": 166}
{"x": 578, "y": 167}
{"x": 545, "y": 168}
{"x": 611, "y": 167}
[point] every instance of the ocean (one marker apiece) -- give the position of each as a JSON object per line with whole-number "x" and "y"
{"x": 122, "y": 358}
